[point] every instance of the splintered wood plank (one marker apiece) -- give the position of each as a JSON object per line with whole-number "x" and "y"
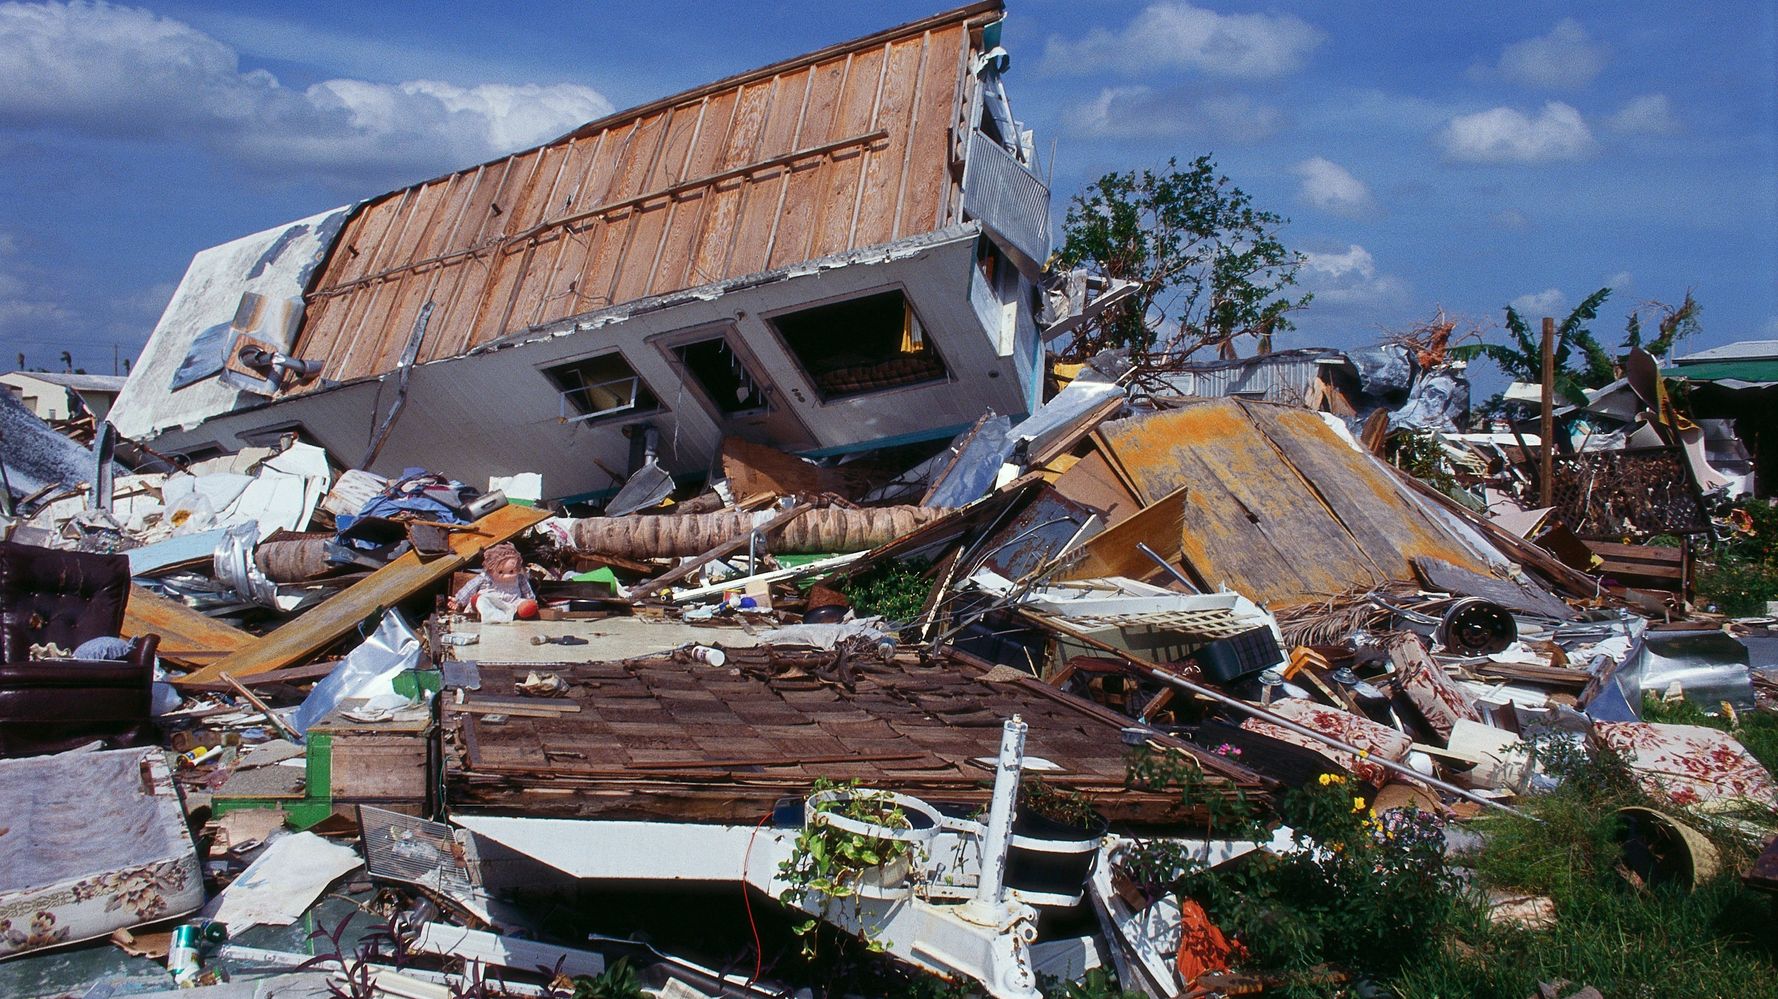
{"x": 1114, "y": 552}
{"x": 337, "y": 616}
{"x": 186, "y": 636}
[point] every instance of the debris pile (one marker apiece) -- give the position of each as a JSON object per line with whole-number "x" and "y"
{"x": 1005, "y": 699}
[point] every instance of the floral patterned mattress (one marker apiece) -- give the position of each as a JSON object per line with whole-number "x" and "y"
{"x": 91, "y": 842}
{"x": 1688, "y": 764}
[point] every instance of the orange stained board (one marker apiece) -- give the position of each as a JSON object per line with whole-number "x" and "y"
{"x": 322, "y": 625}
{"x": 1277, "y": 506}
{"x": 186, "y": 636}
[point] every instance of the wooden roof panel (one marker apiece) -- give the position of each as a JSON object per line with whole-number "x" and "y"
{"x": 839, "y": 149}
{"x": 794, "y": 720}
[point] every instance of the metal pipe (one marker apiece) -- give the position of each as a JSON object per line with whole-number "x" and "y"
{"x": 1142, "y": 546}
{"x": 990, "y": 890}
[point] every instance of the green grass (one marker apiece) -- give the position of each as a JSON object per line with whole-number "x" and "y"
{"x": 1622, "y": 939}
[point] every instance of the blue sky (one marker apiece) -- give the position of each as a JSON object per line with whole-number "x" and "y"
{"x": 1454, "y": 156}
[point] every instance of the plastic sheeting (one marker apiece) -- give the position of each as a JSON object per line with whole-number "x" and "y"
{"x": 368, "y": 671}
{"x": 972, "y": 475}
{"x": 1438, "y": 401}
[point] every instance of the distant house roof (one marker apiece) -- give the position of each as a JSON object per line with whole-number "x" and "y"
{"x": 1743, "y": 350}
{"x": 1746, "y": 364}
{"x": 848, "y": 147}
{"x": 77, "y": 381}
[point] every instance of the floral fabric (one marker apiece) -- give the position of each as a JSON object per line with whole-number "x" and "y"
{"x": 1438, "y": 698}
{"x": 1380, "y": 741}
{"x": 1688, "y": 764}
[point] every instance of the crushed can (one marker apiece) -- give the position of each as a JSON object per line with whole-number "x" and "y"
{"x": 185, "y": 957}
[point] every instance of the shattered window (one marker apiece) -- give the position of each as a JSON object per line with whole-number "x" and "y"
{"x": 600, "y": 386}
{"x": 863, "y": 345}
{"x": 722, "y": 375}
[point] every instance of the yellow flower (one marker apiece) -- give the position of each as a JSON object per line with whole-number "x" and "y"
{"x": 1358, "y": 804}
{"x": 1364, "y": 754}
{"x": 1325, "y": 779}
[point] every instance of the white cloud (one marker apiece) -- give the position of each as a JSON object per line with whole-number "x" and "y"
{"x": 1138, "y": 112}
{"x": 1620, "y": 280}
{"x": 1507, "y": 135}
{"x": 1565, "y": 59}
{"x": 1650, "y": 114}
{"x": 1332, "y": 188}
{"x": 1538, "y": 304}
{"x": 1511, "y": 219}
{"x": 1350, "y": 277}
{"x": 1180, "y": 36}
{"x": 125, "y": 72}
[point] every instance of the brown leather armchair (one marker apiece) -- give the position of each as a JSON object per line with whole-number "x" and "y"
{"x": 47, "y": 706}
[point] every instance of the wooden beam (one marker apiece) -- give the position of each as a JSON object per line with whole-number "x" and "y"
{"x": 340, "y": 614}
{"x": 186, "y": 636}
{"x": 1545, "y": 482}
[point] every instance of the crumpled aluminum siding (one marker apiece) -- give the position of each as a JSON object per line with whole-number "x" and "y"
{"x": 276, "y": 263}
{"x": 844, "y": 148}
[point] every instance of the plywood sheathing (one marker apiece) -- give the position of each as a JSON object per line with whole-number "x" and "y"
{"x": 1276, "y": 505}
{"x": 340, "y": 614}
{"x": 671, "y": 739}
{"x": 186, "y": 636}
{"x": 836, "y": 150}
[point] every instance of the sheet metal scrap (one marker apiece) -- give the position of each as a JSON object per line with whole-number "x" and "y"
{"x": 1636, "y": 492}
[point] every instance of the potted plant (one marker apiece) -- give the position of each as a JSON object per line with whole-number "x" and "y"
{"x": 856, "y": 843}
{"x": 1055, "y": 842}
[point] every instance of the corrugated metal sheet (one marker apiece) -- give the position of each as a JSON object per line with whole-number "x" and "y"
{"x": 1285, "y": 377}
{"x": 844, "y": 148}
{"x": 1008, "y": 198}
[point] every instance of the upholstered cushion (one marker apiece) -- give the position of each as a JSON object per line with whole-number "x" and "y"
{"x": 57, "y": 596}
{"x": 1376, "y": 740}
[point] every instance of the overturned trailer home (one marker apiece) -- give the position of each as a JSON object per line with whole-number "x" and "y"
{"x": 836, "y": 252}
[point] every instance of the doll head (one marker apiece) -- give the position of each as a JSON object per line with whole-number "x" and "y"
{"x": 502, "y": 562}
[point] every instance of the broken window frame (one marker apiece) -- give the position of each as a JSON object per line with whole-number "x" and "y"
{"x": 642, "y": 398}
{"x": 270, "y": 434}
{"x": 672, "y": 345}
{"x": 773, "y": 322}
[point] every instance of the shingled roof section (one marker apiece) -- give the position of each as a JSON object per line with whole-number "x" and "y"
{"x": 839, "y": 149}
{"x": 669, "y": 738}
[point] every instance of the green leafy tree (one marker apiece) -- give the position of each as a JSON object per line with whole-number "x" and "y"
{"x": 1210, "y": 265}
{"x": 1580, "y": 361}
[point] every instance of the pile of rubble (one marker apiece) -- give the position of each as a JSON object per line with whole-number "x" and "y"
{"x": 473, "y": 707}
{"x": 762, "y": 585}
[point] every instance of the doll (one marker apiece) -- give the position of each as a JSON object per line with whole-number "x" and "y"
{"x": 501, "y": 591}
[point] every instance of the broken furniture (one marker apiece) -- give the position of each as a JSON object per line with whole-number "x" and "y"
{"x": 345, "y": 762}
{"x": 92, "y": 842}
{"x": 64, "y": 599}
